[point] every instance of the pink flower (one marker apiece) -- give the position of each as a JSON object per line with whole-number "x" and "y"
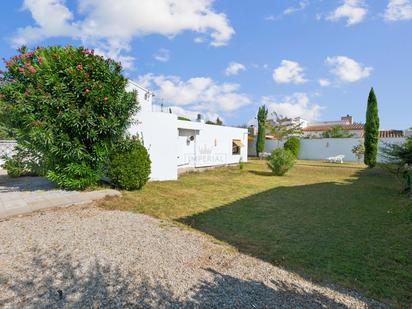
{"x": 87, "y": 91}
{"x": 106, "y": 98}
{"x": 21, "y": 70}
{"x": 88, "y": 52}
{"x": 79, "y": 67}
{"x": 32, "y": 69}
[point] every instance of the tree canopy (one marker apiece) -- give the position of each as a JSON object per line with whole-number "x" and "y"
{"x": 68, "y": 107}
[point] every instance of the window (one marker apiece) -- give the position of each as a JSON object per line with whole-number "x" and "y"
{"x": 236, "y": 145}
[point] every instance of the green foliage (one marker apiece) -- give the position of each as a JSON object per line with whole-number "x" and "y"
{"x": 241, "y": 164}
{"x": 293, "y": 145}
{"x": 74, "y": 176}
{"x": 129, "y": 165}
{"x": 359, "y": 151}
{"x": 14, "y": 167}
{"x": 67, "y": 107}
{"x": 282, "y": 127}
{"x": 183, "y": 118}
{"x": 281, "y": 161}
{"x": 5, "y": 133}
{"x": 261, "y": 135}
{"x": 218, "y": 122}
{"x": 371, "y": 130}
{"x": 337, "y": 132}
{"x": 399, "y": 160}
{"x": 23, "y": 163}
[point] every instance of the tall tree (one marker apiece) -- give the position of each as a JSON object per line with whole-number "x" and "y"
{"x": 371, "y": 130}
{"x": 282, "y": 127}
{"x": 261, "y": 118}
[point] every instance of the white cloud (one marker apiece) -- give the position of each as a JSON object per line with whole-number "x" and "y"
{"x": 289, "y": 72}
{"x": 296, "y": 105}
{"x": 398, "y": 10}
{"x": 162, "y": 55}
{"x": 347, "y": 69}
{"x": 111, "y": 26}
{"x": 354, "y": 11}
{"x": 324, "y": 82}
{"x": 234, "y": 68}
{"x": 200, "y": 93}
{"x": 291, "y": 10}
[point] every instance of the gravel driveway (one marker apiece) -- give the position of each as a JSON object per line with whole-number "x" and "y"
{"x": 84, "y": 257}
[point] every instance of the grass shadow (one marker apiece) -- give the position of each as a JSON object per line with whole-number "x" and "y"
{"x": 329, "y": 232}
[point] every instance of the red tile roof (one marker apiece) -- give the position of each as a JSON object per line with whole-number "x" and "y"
{"x": 390, "y": 133}
{"x": 325, "y": 127}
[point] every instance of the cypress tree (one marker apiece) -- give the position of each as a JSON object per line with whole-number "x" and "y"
{"x": 371, "y": 130}
{"x": 261, "y": 118}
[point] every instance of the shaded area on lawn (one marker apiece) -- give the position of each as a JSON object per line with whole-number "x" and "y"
{"x": 338, "y": 223}
{"x": 53, "y": 280}
{"x": 342, "y": 232}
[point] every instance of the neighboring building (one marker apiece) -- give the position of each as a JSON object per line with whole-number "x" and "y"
{"x": 176, "y": 145}
{"x": 316, "y": 129}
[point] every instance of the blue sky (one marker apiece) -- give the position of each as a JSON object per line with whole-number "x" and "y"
{"x": 311, "y": 58}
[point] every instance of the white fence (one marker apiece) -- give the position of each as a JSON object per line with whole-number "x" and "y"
{"x": 320, "y": 149}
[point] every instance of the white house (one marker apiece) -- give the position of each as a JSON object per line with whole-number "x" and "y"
{"x": 177, "y": 145}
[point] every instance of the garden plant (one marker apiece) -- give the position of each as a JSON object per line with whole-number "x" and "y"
{"x": 67, "y": 107}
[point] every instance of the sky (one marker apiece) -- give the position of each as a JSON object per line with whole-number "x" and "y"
{"x": 316, "y": 59}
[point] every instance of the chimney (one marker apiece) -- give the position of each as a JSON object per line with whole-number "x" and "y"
{"x": 348, "y": 119}
{"x": 200, "y": 118}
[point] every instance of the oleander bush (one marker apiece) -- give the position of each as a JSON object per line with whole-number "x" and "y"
{"x": 129, "y": 165}
{"x": 67, "y": 108}
{"x": 281, "y": 161}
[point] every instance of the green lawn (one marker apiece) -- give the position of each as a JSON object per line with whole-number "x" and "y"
{"x": 331, "y": 223}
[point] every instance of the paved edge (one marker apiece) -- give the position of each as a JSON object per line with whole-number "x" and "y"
{"x": 58, "y": 202}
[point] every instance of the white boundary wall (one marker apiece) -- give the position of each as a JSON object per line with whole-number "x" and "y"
{"x": 320, "y": 149}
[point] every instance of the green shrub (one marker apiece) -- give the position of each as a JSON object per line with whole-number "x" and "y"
{"x": 74, "y": 176}
{"x": 399, "y": 160}
{"x": 14, "y": 166}
{"x": 293, "y": 145}
{"x": 281, "y": 161}
{"x": 22, "y": 163}
{"x": 66, "y": 107}
{"x": 129, "y": 165}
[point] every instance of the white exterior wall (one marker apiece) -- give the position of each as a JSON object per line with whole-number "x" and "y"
{"x": 159, "y": 134}
{"x": 269, "y": 146}
{"x": 144, "y": 96}
{"x": 212, "y": 145}
{"x": 320, "y": 149}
